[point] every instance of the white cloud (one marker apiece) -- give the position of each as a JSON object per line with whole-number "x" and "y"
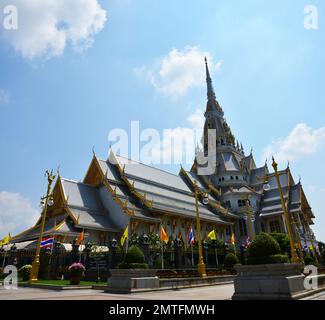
{"x": 196, "y": 119}
{"x": 16, "y": 213}
{"x": 301, "y": 141}
{"x": 179, "y": 71}
{"x": 4, "y": 98}
{"x": 46, "y": 27}
{"x": 178, "y": 144}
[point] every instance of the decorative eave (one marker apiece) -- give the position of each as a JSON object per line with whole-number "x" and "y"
{"x": 214, "y": 205}
{"x": 142, "y": 198}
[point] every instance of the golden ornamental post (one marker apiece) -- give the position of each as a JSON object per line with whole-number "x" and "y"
{"x": 250, "y": 219}
{"x": 294, "y": 257}
{"x": 47, "y": 198}
{"x": 201, "y": 268}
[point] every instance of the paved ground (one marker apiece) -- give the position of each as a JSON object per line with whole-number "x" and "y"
{"x": 219, "y": 292}
{"x": 319, "y": 296}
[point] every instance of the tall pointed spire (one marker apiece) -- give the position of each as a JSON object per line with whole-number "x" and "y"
{"x": 212, "y": 101}
{"x": 210, "y": 92}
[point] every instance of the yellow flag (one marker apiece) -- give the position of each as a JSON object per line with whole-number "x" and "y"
{"x": 125, "y": 235}
{"x": 5, "y": 240}
{"x": 212, "y": 235}
{"x": 232, "y": 241}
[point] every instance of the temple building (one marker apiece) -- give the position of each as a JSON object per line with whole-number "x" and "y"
{"x": 117, "y": 192}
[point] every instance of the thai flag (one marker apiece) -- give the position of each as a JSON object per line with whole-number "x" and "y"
{"x": 47, "y": 242}
{"x": 191, "y": 237}
{"x": 248, "y": 242}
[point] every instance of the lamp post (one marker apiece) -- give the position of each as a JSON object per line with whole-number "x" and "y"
{"x": 201, "y": 266}
{"x": 294, "y": 257}
{"x": 250, "y": 218}
{"x": 47, "y": 201}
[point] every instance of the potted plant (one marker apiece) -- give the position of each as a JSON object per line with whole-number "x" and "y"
{"x": 268, "y": 275}
{"x": 132, "y": 274}
{"x": 25, "y": 271}
{"x": 77, "y": 271}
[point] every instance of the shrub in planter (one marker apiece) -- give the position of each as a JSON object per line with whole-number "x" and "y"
{"x": 77, "y": 271}
{"x": 125, "y": 265}
{"x": 262, "y": 248}
{"x": 308, "y": 260}
{"x": 283, "y": 241}
{"x": 134, "y": 259}
{"x": 279, "y": 258}
{"x": 24, "y": 272}
{"x": 134, "y": 255}
{"x": 230, "y": 260}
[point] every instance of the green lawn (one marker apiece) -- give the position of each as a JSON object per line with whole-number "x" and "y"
{"x": 67, "y": 283}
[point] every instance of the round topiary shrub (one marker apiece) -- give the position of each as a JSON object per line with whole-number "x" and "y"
{"x": 134, "y": 255}
{"x": 230, "y": 260}
{"x": 308, "y": 260}
{"x": 25, "y": 271}
{"x": 262, "y": 248}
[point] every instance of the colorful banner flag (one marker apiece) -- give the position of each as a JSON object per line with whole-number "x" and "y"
{"x": 212, "y": 235}
{"x": 248, "y": 242}
{"x": 5, "y": 240}
{"x": 191, "y": 237}
{"x": 164, "y": 235}
{"x": 125, "y": 235}
{"x": 81, "y": 237}
{"x": 47, "y": 242}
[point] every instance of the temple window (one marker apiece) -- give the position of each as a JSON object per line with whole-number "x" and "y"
{"x": 237, "y": 178}
{"x": 228, "y": 204}
{"x": 241, "y": 203}
{"x": 231, "y": 177}
{"x": 275, "y": 226}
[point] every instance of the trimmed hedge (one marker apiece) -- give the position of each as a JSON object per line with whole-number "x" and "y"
{"x": 230, "y": 260}
{"x": 308, "y": 260}
{"x": 134, "y": 255}
{"x": 134, "y": 259}
{"x": 125, "y": 265}
{"x": 25, "y": 272}
{"x": 263, "y": 248}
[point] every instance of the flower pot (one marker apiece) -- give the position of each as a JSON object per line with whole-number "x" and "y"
{"x": 75, "y": 279}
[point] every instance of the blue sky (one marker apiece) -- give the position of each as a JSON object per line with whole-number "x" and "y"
{"x": 62, "y": 96}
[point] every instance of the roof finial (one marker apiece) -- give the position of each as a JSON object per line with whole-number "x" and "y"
{"x": 93, "y": 150}
{"x": 210, "y": 91}
{"x": 58, "y": 171}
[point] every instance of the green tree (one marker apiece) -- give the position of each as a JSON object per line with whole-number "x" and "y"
{"x": 283, "y": 241}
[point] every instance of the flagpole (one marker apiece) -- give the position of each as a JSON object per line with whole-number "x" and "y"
{"x": 192, "y": 255}
{"x": 4, "y": 259}
{"x": 216, "y": 251}
{"x": 162, "y": 255}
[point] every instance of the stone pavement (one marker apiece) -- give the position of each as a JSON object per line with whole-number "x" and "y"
{"x": 319, "y": 296}
{"x": 218, "y": 292}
